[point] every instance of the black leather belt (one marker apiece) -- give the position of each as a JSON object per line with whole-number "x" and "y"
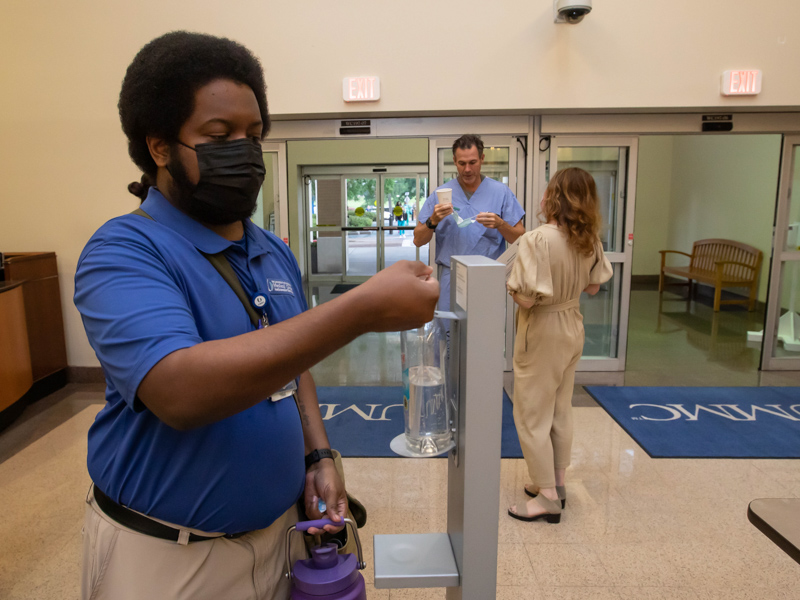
{"x": 141, "y": 524}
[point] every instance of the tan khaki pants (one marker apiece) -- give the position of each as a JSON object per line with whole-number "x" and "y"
{"x": 547, "y": 349}
{"x": 121, "y": 564}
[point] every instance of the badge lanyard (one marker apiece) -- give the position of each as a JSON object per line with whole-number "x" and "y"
{"x": 260, "y": 302}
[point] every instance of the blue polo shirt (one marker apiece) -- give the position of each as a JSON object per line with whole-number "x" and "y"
{"x": 144, "y": 291}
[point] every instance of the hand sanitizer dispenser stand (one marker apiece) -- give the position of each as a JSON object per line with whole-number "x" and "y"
{"x": 464, "y": 560}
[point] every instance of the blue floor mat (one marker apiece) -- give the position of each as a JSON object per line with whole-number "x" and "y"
{"x": 707, "y": 422}
{"x": 362, "y": 421}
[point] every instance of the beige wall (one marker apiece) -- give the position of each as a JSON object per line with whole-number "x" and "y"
{"x": 653, "y": 196}
{"x": 63, "y": 63}
{"x": 697, "y": 187}
{"x": 725, "y": 187}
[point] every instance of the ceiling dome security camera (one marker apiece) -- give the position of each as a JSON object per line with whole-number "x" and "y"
{"x": 571, "y": 11}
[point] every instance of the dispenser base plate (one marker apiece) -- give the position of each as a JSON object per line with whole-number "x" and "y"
{"x": 414, "y": 560}
{"x": 398, "y": 446}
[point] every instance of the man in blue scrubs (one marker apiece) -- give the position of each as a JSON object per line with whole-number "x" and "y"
{"x": 483, "y": 216}
{"x": 197, "y": 458}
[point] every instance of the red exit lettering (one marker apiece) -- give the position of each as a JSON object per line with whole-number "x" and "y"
{"x": 361, "y": 89}
{"x": 741, "y": 83}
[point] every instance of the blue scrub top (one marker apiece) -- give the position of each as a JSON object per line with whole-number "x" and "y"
{"x": 452, "y": 240}
{"x": 144, "y": 291}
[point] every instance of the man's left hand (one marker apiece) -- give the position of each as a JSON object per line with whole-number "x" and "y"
{"x": 490, "y": 220}
{"x": 323, "y": 481}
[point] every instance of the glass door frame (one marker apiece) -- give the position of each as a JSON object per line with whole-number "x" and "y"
{"x": 625, "y": 217}
{"x": 259, "y": 217}
{"x": 780, "y": 257}
{"x": 281, "y": 186}
{"x": 343, "y": 173}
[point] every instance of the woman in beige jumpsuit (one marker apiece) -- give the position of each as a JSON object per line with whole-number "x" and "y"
{"x": 554, "y": 264}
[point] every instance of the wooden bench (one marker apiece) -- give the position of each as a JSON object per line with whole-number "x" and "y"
{"x": 721, "y": 263}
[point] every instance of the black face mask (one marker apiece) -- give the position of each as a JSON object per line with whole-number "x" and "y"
{"x": 231, "y": 174}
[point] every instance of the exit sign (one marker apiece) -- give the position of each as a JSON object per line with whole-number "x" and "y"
{"x": 361, "y": 89}
{"x": 741, "y": 83}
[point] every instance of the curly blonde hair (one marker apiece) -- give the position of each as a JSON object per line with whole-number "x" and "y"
{"x": 571, "y": 201}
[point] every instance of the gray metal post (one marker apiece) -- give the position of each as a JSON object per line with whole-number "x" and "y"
{"x": 473, "y": 479}
{"x": 464, "y": 560}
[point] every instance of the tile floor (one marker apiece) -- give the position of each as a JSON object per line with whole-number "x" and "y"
{"x": 635, "y": 528}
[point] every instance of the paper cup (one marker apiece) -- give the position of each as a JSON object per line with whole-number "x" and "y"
{"x": 444, "y": 195}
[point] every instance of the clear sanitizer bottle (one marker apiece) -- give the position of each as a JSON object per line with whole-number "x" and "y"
{"x": 425, "y": 401}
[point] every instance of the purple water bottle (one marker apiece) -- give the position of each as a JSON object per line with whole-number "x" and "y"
{"x": 327, "y": 575}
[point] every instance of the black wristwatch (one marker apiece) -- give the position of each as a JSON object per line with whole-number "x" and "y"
{"x": 429, "y": 224}
{"x": 317, "y": 455}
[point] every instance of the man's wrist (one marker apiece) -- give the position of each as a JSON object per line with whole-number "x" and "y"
{"x": 430, "y": 224}
{"x": 317, "y": 455}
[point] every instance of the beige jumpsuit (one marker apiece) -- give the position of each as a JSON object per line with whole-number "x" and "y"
{"x": 549, "y": 344}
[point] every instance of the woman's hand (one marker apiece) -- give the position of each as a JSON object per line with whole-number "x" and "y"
{"x": 592, "y": 289}
{"x": 522, "y": 301}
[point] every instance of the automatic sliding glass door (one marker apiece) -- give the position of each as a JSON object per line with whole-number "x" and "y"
{"x": 612, "y": 163}
{"x": 781, "y": 347}
{"x": 403, "y": 196}
{"x": 360, "y": 250}
{"x": 361, "y": 220}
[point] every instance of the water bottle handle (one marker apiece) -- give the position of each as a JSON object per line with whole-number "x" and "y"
{"x": 304, "y": 525}
{"x": 319, "y": 523}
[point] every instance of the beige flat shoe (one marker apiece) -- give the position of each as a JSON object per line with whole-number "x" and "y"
{"x": 561, "y": 490}
{"x": 553, "y": 514}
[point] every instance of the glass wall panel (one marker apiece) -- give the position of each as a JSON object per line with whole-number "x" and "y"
{"x": 400, "y": 196}
{"x": 362, "y": 206}
{"x": 399, "y": 245}
{"x": 363, "y": 210}
{"x": 400, "y": 200}
{"x": 361, "y": 253}
{"x": 601, "y": 318}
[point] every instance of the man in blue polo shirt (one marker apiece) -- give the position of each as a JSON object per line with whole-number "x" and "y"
{"x": 485, "y": 214}
{"x": 197, "y": 458}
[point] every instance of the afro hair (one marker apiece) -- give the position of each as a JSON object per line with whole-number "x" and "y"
{"x": 158, "y": 91}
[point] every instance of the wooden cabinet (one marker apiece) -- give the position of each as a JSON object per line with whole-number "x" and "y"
{"x": 44, "y": 321}
{"x": 15, "y": 362}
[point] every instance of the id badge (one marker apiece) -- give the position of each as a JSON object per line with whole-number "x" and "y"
{"x": 286, "y": 391}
